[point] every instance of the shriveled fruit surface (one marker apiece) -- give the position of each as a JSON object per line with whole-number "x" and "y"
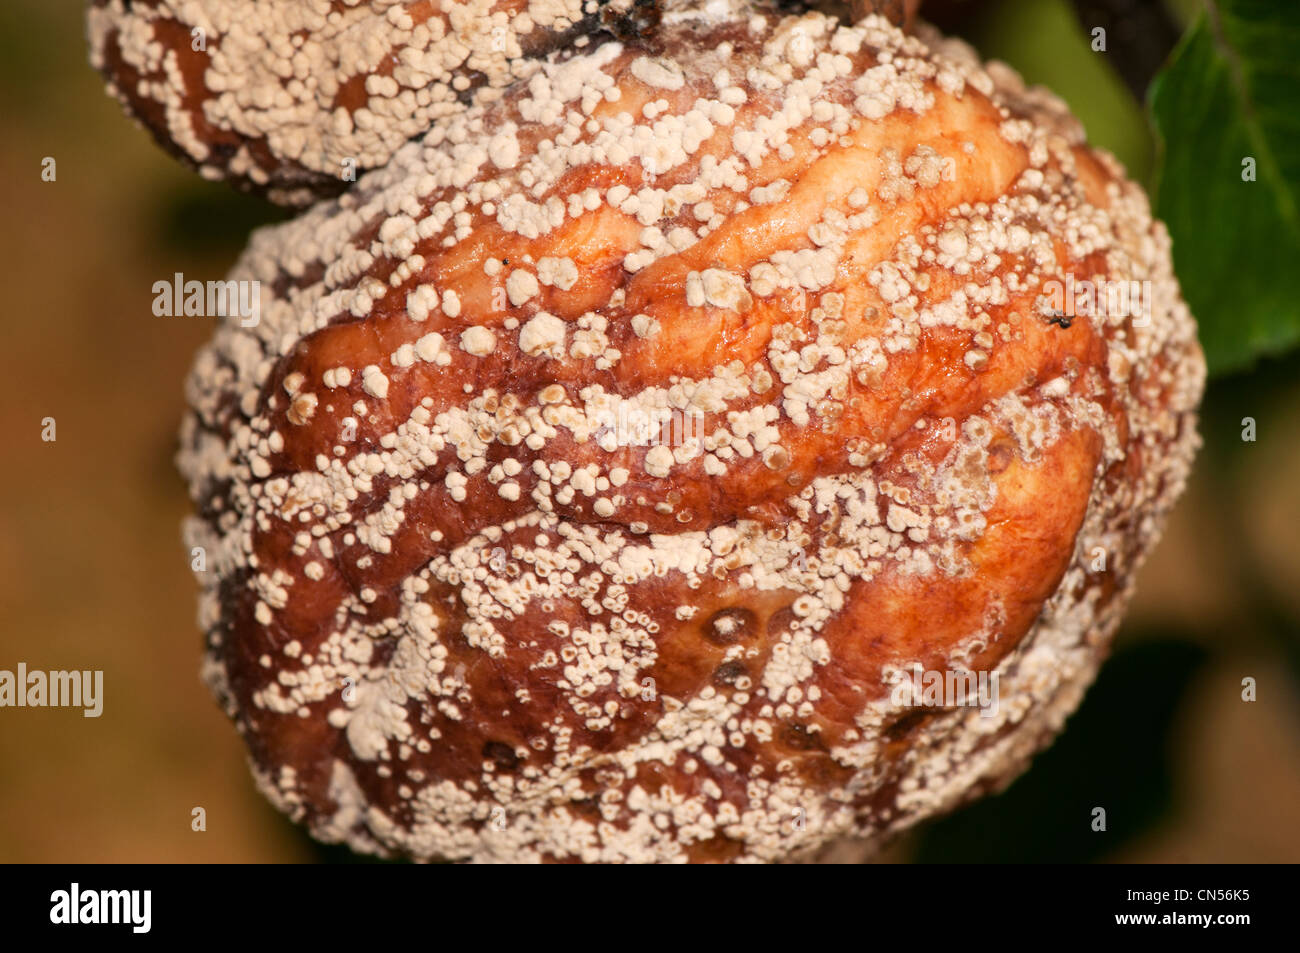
{"x": 463, "y": 603}
{"x": 297, "y": 97}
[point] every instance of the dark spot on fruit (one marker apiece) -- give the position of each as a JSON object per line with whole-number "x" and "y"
{"x": 1000, "y": 455}
{"x": 589, "y": 805}
{"x": 780, "y": 621}
{"x": 502, "y": 755}
{"x": 907, "y": 725}
{"x": 726, "y": 674}
{"x": 728, "y": 626}
{"x": 799, "y": 737}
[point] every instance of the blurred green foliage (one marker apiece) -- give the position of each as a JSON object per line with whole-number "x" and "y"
{"x": 1228, "y": 113}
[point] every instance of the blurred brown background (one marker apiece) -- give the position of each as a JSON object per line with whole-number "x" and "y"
{"x": 93, "y": 574}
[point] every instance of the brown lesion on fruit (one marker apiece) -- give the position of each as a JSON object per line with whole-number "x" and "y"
{"x": 501, "y": 756}
{"x": 718, "y": 849}
{"x": 780, "y": 622}
{"x": 801, "y": 737}
{"x": 1000, "y": 454}
{"x": 908, "y": 725}
{"x": 731, "y": 675}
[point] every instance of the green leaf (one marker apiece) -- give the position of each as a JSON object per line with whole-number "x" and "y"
{"x": 1230, "y": 93}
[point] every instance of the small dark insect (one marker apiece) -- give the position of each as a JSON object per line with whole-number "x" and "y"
{"x": 1059, "y": 318}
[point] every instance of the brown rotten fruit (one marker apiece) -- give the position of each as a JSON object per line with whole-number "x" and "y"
{"x": 462, "y": 605}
